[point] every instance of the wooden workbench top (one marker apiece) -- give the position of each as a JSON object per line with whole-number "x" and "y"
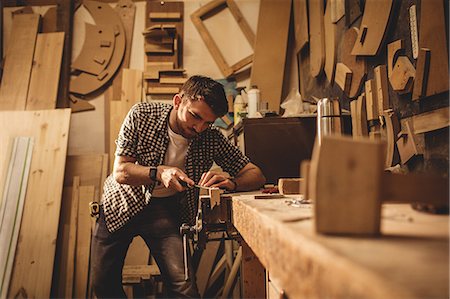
{"x": 409, "y": 260}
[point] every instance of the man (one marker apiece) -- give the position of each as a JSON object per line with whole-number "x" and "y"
{"x": 159, "y": 147}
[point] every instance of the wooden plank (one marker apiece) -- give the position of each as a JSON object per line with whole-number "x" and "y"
{"x": 64, "y": 22}
{"x": 45, "y": 71}
{"x": 402, "y": 76}
{"x": 371, "y": 100}
{"x": 11, "y": 208}
{"x": 138, "y": 253}
{"x": 394, "y": 49}
{"x": 127, "y": 11}
{"x": 421, "y": 79}
{"x": 343, "y": 77}
{"x": 316, "y": 37}
{"x": 72, "y": 243}
{"x": 18, "y": 62}
{"x": 373, "y": 27}
{"x": 35, "y": 253}
{"x": 432, "y": 35}
{"x": 131, "y": 94}
{"x": 83, "y": 244}
{"x": 253, "y": 274}
{"x": 269, "y": 61}
{"x": 429, "y": 121}
{"x": 300, "y": 24}
{"x": 206, "y": 264}
{"x": 330, "y": 31}
{"x": 356, "y": 64}
{"x": 352, "y": 11}
{"x": 381, "y": 83}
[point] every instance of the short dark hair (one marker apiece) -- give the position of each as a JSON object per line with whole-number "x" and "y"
{"x": 209, "y": 90}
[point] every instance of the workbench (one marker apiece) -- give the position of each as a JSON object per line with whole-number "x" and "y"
{"x": 409, "y": 260}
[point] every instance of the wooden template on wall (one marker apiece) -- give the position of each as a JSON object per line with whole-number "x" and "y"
{"x": 210, "y": 10}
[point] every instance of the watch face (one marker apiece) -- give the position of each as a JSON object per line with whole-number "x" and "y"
{"x": 152, "y": 173}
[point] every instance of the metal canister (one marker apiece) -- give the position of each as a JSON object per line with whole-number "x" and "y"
{"x": 328, "y": 118}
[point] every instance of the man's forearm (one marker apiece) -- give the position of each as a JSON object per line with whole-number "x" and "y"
{"x": 132, "y": 174}
{"x": 249, "y": 179}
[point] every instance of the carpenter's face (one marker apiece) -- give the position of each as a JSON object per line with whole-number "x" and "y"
{"x": 193, "y": 116}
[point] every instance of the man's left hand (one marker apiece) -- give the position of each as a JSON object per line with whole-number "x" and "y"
{"x": 217, "y": 179}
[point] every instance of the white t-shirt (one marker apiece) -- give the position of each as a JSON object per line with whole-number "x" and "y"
{"x": 175, "y": 156}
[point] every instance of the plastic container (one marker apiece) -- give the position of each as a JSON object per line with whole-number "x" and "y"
{"x": 254, "y": 99}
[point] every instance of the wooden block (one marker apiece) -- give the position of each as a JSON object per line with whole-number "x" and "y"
{"x": 214, "y": 193}
{"x": 158, "y": 48}
{"x": 430, "y": 121}
{"x": 381, "y": 82}
{"x": 316, "y": 38}
{"x": 392, "y": 130}
{"x": 79, "y": 105}
{"x": 432, "y": 35}
{"x": 402, "y": 76}
{"x": 173, "y": 80}
{"x": 18, "y": 62}
{"x": 347, "y": 200}
{"x": 375, "y": 19}
{"x": 165, "y": 15}
{"x": 44, "y": 81}
{"x": 268, "y": 62}
{"x": 290, "y": 186}
{"x": 356, "y": 64}
{"x": 352, "y": 11}
{"x": 343, "y": 77}
{"x": 301, "y": 24}
{"x": 163, "y": 90}
{"x": 138, "y": 254}
{"x": 421, "y": 79}
{"x": 371, "y": 100}
{"x": 337, "y": 10}
{"x": 33, "y": 265}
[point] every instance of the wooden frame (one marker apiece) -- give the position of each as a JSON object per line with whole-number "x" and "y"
{"x": 211, "y": 9}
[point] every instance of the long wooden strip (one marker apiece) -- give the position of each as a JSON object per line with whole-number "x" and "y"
{"x": 301, "y": 24}
{"x": 269, "y": 60}
{"x": 131, "y": 94}
{"x": 35, "y": 253}
{"x": 316, "y": 38}
{"x": 330, "y": 30}
{"x": 73, "y": 224}
{"x": 429, "y": 121}
{"x": 18, "y": 61}
{"x": 12, "y": 206}
{"x": 86, "y": 195}
{"x": 45, "y": 71}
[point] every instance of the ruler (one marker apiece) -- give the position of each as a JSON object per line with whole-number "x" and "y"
{"x": 414, "y": 34}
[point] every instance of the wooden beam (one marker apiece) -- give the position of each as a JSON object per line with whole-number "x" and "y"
{"x": 64, "y": 23}
{"x": 12, "y": 3}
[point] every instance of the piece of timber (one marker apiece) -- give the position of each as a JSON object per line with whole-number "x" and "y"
{"x": 406, "y": 144}
{"x": 72, "y": 241}
{"x": 429, "y": 121}
{"x": 103, "y": 14}
{"x": 79, "y": 105}
{"x": 98, "y": 47}
{"x": 402, "y": 76}
{"x": 392, "y": 130}
{"x": 422, "y": 71}
{"x": 126, "y": 9}
{"x": 373, "y": 27}
{"x": 49, "y": 20}
{"x": 11, "y": 206}
{"x": 64, "y": 23}
{"x": 356, "y": 64}
{"x": 203, "y": 13}
{"x": 316, "y": 37}
{"x": 371, "y": 100}
{"x": 343, "y": 77}
{"x": 362, "y": 115}
{"x": 432, "y": 35}
{"x": 44, "y": 81}
{"x": 337, "y": 10}
{"x": 35, "y": 253}
{"x": 301, "y": 24}
{"x": 290, "y": 185}
{"x": 384, "y": 267}
{"x": 18, "y": 62}
{"x": 381, "y": 83}
{"x": 268, "y": 61}
{"x": 330, "y": 31}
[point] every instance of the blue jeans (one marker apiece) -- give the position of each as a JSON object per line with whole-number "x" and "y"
{"x": 158, "y": 224}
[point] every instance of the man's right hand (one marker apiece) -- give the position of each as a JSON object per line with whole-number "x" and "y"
{"x": 171, "y": 177}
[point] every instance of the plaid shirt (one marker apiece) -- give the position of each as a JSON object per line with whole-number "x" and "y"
{"x": 144, "y": 136}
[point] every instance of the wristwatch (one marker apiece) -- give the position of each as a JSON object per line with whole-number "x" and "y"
{"x": 152, "y": 173}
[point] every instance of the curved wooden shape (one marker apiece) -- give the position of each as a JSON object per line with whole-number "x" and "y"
{"x": 103, "y": 14}
{"x": 330, "y": 32}
{"x": 301, "y": 24}
{"x": 373, "y": 26}
{"x": 97, "y": 49}
{"x": 355, "y": 63}
{"x": 316, "y": 38}
{"x": 392, "y": 130}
